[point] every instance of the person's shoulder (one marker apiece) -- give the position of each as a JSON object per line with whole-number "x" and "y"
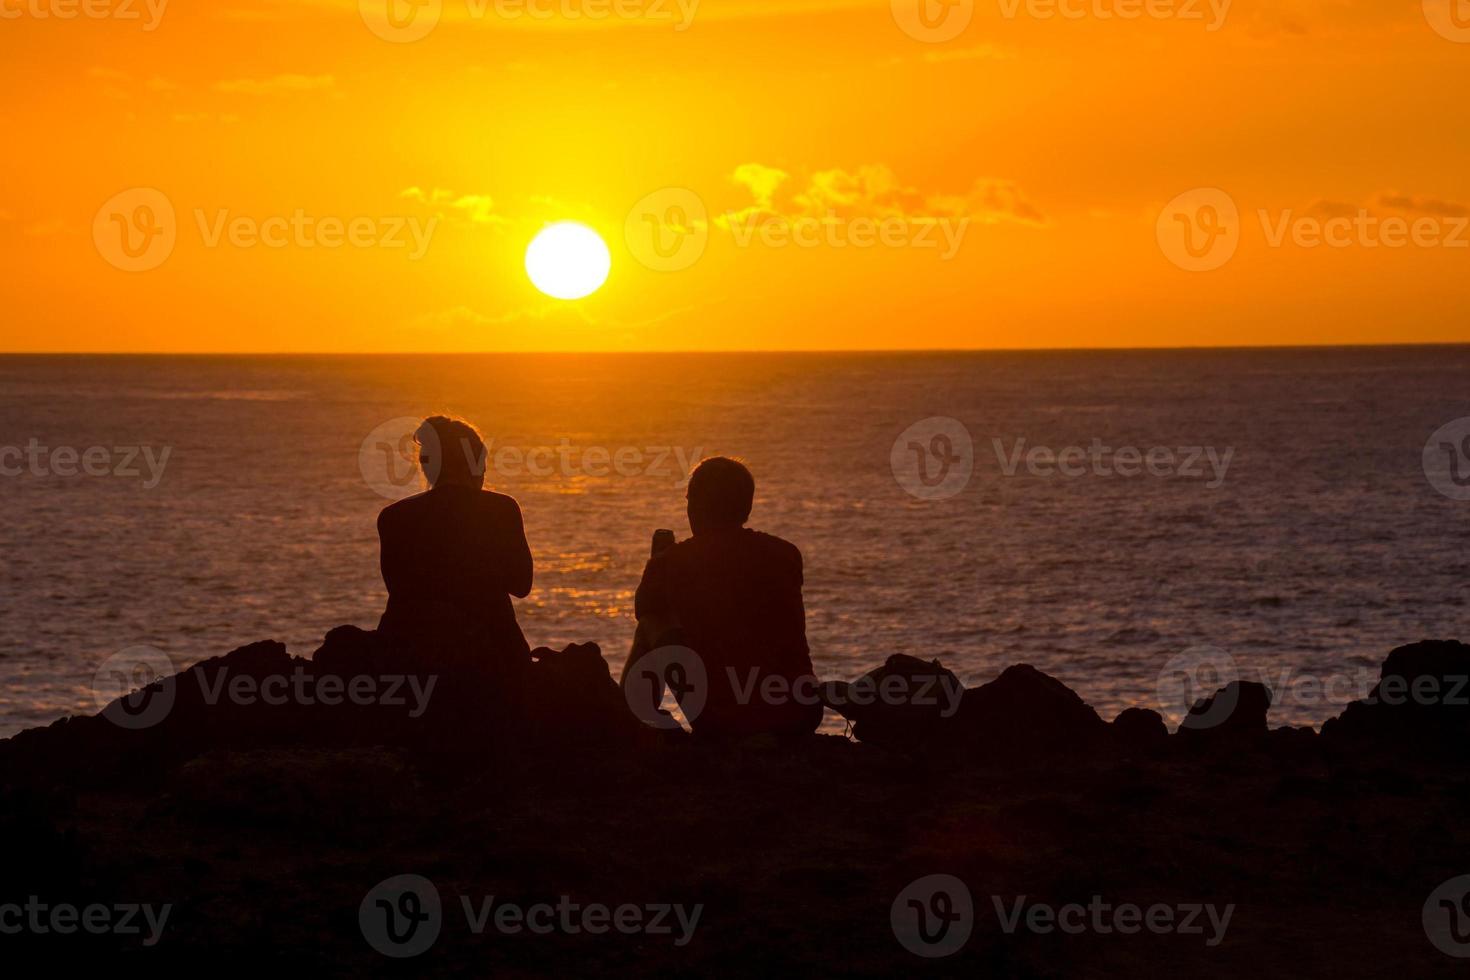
{"x": 500, "y": 503}
{"x": 771, "y": 544}
{"x": 400, "y": 509}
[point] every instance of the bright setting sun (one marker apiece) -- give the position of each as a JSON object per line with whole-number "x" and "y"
{"x": 568, "y": 260}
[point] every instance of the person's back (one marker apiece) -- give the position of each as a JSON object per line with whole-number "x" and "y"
{"x": 734, "y": 595}
{"x": 453, "y": 556}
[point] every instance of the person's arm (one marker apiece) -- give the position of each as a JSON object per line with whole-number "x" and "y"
{"x": 650, "y": 606}
{"x": 389, "y": 559}
{"x": 519, "y": 566}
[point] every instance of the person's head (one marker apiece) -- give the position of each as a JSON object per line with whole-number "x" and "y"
{"x": 451, "y": 452}
{"x": 721, "y": 491}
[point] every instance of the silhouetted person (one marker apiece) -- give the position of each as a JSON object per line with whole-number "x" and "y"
{"x": 733, "y": 595}
{"x": 454, "y": 555}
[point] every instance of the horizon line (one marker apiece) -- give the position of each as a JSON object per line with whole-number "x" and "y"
{"x": 732, "y": 351}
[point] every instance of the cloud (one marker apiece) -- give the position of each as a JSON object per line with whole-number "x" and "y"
{"x": 873, "y": 191}
{"x": 1327, "y": 210}
{"x": 477, "y": 209}
{"x": 189, "y": 118}
{"x": 1394, "y": 201}
{"x": 276, "y": 85}
{"x": 426, "y": 197}
{"x": 939, "y": 56}
{"x": 762, "y": 181}
{"x": 1389, "y": 202}
{"x": 980, "y": 52}
{"x": 459, "y": 317}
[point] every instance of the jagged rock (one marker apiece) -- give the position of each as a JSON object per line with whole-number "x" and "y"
{"x": 1140, "y": 730}
{"x": 1422, "y": 699}
{"x": 1023, "y": 712}
{"x": 1236, "y": 712}
{"x": 357, "y": 690}
{"x": 905, "y": 702}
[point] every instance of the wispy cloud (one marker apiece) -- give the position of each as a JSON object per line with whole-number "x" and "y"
{"x": 1390, "y": 202}
{"x": 874, "y": 191}
{"x": 477, "y": 209}
{"x": 276, "y": 85}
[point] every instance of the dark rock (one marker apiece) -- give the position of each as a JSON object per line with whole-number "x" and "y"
{"x": 356, "y": 691}
{"x": 1234, "y": 713}
{"x": 1024, "y": 712}
{"x": 1140, "y": 730}
{"x": 1421, "y": 700}
{"x": 905, "y": 702}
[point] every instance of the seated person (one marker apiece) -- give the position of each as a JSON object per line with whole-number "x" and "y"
{"x": 732, "y": 595}
{"x": 454, "y": 555}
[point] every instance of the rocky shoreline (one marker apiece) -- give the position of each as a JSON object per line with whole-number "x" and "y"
{"x": 1059, "y": 844}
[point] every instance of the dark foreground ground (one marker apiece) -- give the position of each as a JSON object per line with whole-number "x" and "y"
{"x": 1328, "y": 851}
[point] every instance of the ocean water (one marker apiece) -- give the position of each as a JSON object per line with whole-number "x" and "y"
{"x": 1321, "y": 545}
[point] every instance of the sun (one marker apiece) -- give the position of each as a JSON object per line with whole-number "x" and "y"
{"x": 568, "y": 260}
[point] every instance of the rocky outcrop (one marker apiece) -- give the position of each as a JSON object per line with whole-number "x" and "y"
{"x": 1235, "y": 713}
{"x": 1140, "y": 730}
{"x": 354, "y": 691}
{"x": 1421, "y": 700}
{"x": 1024, "y": 712}
{"x": 904, "y": 703}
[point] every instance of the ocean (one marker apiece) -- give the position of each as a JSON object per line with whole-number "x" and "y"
{"x": 1104, "y": 516}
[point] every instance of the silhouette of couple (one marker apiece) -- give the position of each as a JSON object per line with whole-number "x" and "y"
{"x": 455, "y": 555}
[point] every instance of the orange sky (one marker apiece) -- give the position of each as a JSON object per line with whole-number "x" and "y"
{"x": 817, "y": 176}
